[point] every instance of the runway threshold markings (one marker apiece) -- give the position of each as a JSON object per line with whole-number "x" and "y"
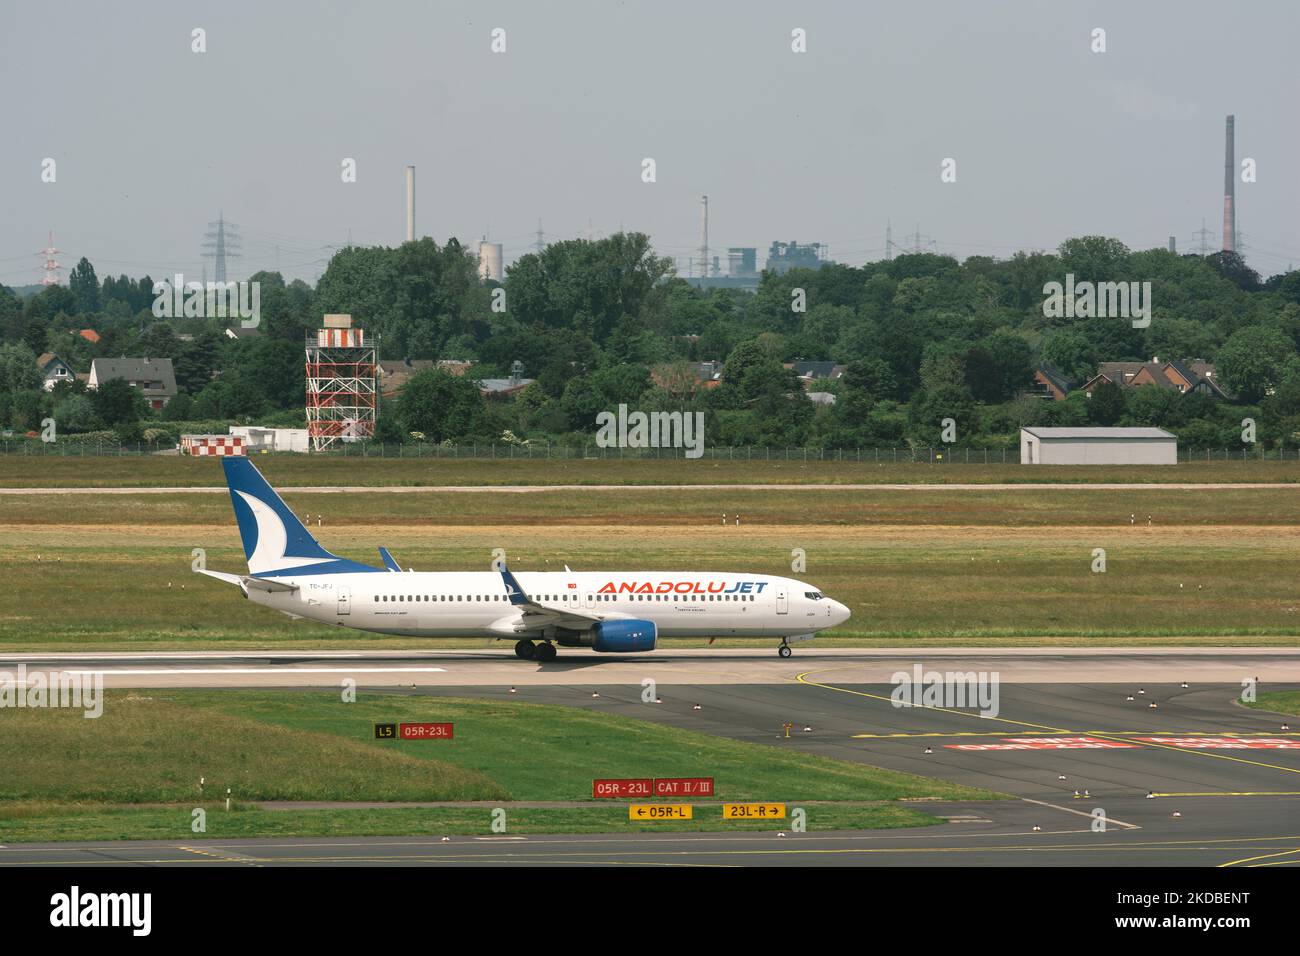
{"x": 803, "y": 679}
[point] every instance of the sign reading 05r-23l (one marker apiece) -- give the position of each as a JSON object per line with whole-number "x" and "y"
{"x": 414, "y": 731}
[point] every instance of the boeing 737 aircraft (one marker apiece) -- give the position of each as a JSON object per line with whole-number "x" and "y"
{"x": 618, "y": 612}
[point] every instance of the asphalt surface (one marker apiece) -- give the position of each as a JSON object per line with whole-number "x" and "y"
{"x": 1225, "y": 778}
{"x": 496, "y": 665}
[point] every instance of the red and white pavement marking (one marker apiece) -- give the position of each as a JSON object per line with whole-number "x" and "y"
{"x": 1047, "y": 743}
{"x": 1226, "y": 743}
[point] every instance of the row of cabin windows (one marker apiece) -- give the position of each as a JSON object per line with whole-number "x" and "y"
{"x": 563, "y": 597}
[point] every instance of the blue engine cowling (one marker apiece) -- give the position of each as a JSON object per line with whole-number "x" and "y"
{"x": 624, "y": 637}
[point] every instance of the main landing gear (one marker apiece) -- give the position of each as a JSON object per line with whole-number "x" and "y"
{"x": 543, "y": 651}
{"x": 784, "y": 649}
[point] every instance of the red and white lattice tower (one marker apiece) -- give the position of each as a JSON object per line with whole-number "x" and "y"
{"x": 52, "y": 266}
{"x": 342, "y": 390}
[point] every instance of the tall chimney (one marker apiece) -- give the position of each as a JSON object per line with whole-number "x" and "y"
{"x": 410, "y": 203}
{"x": 1229, "y": 189}
{"x": 1173, "y": 244}
{"x": 704, "y": 236}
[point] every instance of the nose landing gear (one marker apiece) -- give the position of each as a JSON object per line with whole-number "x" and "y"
{"x": 784, "y": 650}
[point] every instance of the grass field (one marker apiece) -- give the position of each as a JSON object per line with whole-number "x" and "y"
{"x": 78, "y": 823}
{"x": 1278, "y": 701}
{"x": 134, "y": 772}
{"x": 172, "y": 470}
{"x": 976, "y": 567}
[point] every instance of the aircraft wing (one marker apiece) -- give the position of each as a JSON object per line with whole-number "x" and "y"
{"x": 537, "y": 614}
{"x": 389, "y": 562}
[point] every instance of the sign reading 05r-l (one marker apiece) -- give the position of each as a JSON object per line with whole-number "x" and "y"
{"x": 753, "y": 811}
{"x": 659, "y": 811}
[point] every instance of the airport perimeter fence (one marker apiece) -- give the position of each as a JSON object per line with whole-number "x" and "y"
{"x": 545, "y": 452}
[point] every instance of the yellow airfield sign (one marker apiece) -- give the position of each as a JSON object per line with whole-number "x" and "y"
{"x": 659, "y": 811}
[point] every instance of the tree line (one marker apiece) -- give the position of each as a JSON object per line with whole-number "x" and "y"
{"x": 921, "y": 338}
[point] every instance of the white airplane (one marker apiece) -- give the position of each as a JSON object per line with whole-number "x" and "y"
{"x": 618, "y": 612}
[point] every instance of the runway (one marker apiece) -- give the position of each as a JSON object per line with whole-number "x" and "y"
{"x": 1197, "y": 780}
{"x": 496, "y": 665}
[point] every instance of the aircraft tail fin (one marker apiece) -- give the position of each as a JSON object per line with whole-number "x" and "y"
{"x": 275, "y": 541}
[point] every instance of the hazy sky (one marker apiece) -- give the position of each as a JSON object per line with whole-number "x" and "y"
{"x": 1051, "y": 140}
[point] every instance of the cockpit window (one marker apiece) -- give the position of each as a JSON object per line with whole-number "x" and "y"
{"x": 813, "y": 595}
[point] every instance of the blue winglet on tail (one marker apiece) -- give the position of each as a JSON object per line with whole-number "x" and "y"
{"x": 389, "y": 561}
{"x": 275, "y": 541}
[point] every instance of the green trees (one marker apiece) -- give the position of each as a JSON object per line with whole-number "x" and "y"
{"x": 943, "y": 395}
{"x": 84, "y": 287}
{"x": 603, "y": 391}
{"x": 1107, "y": 404}
{"x": 1071, "y": 352}
{"x": 588, "y": 286}
{"x": 440, "y": 406}
{"x": 117, "y": 403}
{"x": 1252, "y": 359}
{"x": 923, "y": 338}
{"x": 76, "y": 413}
{"x": 998, "y": 367}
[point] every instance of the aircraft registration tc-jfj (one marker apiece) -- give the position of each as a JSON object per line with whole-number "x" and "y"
{"x": 616, "y": 612}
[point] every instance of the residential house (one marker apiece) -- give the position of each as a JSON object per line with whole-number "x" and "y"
{"x": 1051, "y": 383}
{"x": 668, "y": 375}
{"x": 497, "y": 388}
{"x": 154, "y": 377}
{"x": 710, "y": 373}
{"x": 54, "y": 369}
{"x": 809, "y": 372}
{"x": 1178, "y": 376}
{"x": 393, "y": 376}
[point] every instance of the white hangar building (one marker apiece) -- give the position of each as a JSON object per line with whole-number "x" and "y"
{"x": 1098, "y": 446}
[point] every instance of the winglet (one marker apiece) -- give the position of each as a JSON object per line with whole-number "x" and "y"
{"x": 389, "y": 562}
{"x": 513, "y": 590}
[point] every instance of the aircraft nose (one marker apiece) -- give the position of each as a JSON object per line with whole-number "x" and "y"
{"x": 842, "y": 613}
